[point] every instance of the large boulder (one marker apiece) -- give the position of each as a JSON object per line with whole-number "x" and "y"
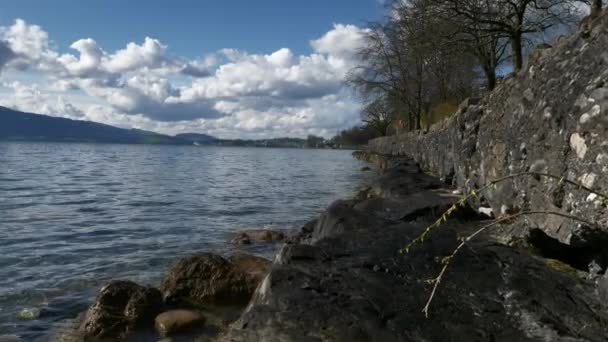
{"x": 350, "y": 282}
{"x": 210, "y": 279}
{"x": 120, "y": 309}
{"x": 356, "y": 286}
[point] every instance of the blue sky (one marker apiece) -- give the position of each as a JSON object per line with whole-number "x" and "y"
{"x": 191, "y": 27}
{"x": 249, "y": 69}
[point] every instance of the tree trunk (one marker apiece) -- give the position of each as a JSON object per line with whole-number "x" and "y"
{"x": 410, "y": 124}
{"x": 490, "y": 77}
{"x": 516, "y": 51}
{"x": 596, "y": 7}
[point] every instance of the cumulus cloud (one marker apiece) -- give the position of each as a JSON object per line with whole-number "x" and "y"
{"x": 149, "y": 54}
{"x": 87, "y": 65}
{"x": 342, "y": 42}
{"x": 29, "y": 41}
{"x": 228, "y": 93}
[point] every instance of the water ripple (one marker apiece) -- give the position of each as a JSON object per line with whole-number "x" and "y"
{"x": 73, "y": 216}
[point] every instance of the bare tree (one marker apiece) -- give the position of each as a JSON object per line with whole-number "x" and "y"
{"x": 420, "y": 56}
{"x": 405, "y": 60}
{"x": 387, "y": 68}
{"x": 378, "y": 115}
{"x": 513, "y": 19}
{"x": 488, "y": 47}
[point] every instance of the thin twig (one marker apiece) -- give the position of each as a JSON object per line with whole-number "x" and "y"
{"x": 448, "y": 260}
{"x": 474, "y": 193}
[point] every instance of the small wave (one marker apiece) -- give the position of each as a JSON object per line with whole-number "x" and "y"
{"x": 18, "y": 206}
{"x": 149, "y": 204}
{"x": 19, "y": 188}
{"x": 6, "y": 179}
{"x": 90, "y": 210}
{"x": 108, "y": 184}
{"x": 81, "y": 202}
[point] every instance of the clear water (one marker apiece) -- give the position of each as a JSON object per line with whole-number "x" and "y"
{"x": 73, "y": 216}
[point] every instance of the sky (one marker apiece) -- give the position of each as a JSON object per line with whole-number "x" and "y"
{"x": 231, "y": 69}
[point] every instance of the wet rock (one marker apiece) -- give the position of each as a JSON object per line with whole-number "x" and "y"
{"x": 258, "y": 235}
{"x": 254, "y": 266}
{"x": 349, "y": 282}
{"x": 364, "y": 290}
{"x": 343, "y": 217}
{"x": 208, "y": 279}
{"x": 178, "y": 321}
{"x": 299, "y": 252}
{"x": 304, "y": 234}
{"x": 120, "y": 309}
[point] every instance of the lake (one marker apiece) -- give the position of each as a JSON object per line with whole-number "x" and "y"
{"x": 73, "y": 216}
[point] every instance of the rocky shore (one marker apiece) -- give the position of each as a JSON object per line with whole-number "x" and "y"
{"x": 344, "y": 277}
{"x": 347, "y": 276}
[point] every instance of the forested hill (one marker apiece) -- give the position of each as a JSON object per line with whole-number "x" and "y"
{"x": 19, "y": 126}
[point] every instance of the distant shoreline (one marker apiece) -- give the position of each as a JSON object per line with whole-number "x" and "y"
{"x": 346, "y": 148}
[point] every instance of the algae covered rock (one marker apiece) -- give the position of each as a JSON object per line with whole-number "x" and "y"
{"x": 120, "y": 309}
{"x": 209, "y": 279}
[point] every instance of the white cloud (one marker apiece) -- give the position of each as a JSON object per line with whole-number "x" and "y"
{"x": 87, "y": 65}
{"x": 228, "y": 93}
{"x": 27, "y": 40}
{"x": 29, "y": 98}
{"x": 149, "y": 54}
{"x": 341, "y": 42}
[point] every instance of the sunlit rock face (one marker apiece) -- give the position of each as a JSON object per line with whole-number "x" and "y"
{"x": 552, "y": 117}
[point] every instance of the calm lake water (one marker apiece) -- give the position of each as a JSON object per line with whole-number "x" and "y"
{"x": 73, "y": 216}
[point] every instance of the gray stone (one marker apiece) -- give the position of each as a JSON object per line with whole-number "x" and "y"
{"x": 349, "y": 282}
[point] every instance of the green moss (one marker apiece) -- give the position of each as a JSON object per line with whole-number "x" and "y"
{"x": 560, "y": 266}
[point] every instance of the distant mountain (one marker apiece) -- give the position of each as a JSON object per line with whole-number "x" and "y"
{"x": 202, "y": 139}
{"x": 19, "y": 126}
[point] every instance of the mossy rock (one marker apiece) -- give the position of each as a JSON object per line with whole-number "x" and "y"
{"x": 561, "y": 266}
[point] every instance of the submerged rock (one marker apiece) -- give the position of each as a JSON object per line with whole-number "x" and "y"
{"x": 258, "y": 235}
{"x": 120, "y": 309}
{"x": 28, "y": 314}
{"x": 178, "y": 321}
{"x": 210, "y": 279}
